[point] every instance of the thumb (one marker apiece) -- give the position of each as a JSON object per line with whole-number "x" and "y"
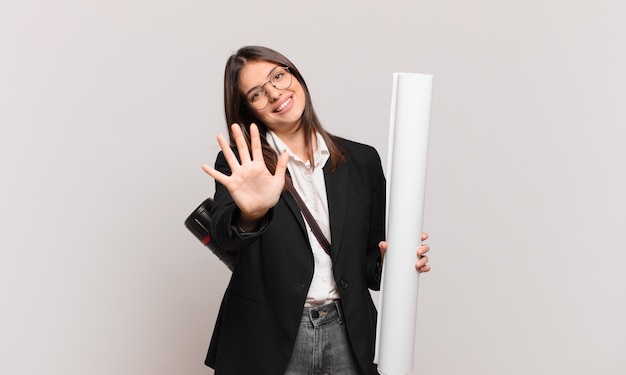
{"x": 281, "y": 165}
{"x": 382, "y": 246}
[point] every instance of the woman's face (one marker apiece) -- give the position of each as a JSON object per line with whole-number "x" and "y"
{"x": 285, "y": 107}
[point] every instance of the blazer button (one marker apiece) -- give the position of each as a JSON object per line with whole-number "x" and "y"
{"x": 343, "y": 283}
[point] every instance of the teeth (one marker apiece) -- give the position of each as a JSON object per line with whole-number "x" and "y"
{"x": 282, "y": 106}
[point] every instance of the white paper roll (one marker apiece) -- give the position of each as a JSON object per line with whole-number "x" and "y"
{"x": 406, "y": 171}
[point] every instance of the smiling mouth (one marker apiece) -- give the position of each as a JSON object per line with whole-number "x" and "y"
{"x": 284, "y": 104}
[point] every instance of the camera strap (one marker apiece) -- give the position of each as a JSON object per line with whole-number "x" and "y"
{"x": 315, "y": 228}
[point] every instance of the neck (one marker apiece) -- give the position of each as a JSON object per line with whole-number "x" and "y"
{"x": 295, "y": 140}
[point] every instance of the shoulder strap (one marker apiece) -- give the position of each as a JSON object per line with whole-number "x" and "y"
{"x": 310, "y": 220}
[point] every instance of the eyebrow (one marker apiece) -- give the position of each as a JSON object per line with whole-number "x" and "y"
{"x": 257, "y": 86}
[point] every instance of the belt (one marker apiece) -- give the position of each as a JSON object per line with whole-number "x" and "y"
{"x": 323, "y": 314}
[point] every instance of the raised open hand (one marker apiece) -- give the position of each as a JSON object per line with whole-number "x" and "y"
{"x": 253, "y": 188}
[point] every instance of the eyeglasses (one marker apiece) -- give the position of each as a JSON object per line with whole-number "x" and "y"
{"x": 280, "y": 80}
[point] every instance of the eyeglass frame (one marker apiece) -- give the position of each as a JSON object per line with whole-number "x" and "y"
{"x": 262, "y": 87}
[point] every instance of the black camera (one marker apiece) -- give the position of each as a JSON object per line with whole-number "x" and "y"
{"x": 199, "y": 223}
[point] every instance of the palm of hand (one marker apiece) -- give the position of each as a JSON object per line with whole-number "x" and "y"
{"x": 253, "y": 188}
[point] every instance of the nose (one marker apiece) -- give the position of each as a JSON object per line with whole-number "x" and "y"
{"x": 272, "y": 92}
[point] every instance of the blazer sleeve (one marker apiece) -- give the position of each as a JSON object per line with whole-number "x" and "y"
{"x": 377, "y": 220}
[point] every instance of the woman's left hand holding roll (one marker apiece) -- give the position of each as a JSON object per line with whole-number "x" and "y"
{"x": 421, "y": 264}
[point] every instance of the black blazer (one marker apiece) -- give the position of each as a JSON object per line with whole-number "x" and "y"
{"x": 260, "y": 313}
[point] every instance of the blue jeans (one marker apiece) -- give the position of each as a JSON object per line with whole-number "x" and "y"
{"x": 322, "y": 346}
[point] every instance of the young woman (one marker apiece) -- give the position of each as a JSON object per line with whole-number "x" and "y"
{"x": 292, "y": 306}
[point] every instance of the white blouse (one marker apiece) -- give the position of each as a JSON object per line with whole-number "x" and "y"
{"x": 311, "y": 186}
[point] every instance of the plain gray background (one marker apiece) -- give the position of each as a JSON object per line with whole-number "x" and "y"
{"x": 108, "y": 109}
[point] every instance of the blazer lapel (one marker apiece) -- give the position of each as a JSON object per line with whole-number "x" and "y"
{"x": 337, "y": 194}
{"x": 295, "y": 210}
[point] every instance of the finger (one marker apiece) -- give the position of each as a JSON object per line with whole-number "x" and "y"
{"x": 423, "y": 261}
{"x": 240, "y": 141}
{"x": 217, "y": 175}
{"x": 255, "y": 141}
{"x": 423, "y": 249}
{"x": 424, "y": 269}
{"x": 424, "y": 236}
{"x": 281, "y": 165}
{"x": 229, "y": 155}
{"x": 382, "y": 246}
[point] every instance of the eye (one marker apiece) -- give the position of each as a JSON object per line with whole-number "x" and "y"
{"x": 256, "y": 95}
{"x": 279, "y": 75}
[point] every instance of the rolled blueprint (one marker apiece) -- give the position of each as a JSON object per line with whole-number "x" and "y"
{"x": 406, "y": 172}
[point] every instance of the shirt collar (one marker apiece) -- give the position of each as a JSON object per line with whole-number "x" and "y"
{"x": 320, "y": 156}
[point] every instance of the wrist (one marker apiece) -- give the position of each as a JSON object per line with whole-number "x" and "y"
{"x": 247, "y": 223}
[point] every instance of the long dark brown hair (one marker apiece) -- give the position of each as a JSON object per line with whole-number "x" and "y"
{"x": 237, "y": 109}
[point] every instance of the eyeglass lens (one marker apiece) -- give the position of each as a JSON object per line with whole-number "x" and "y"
{"x": 281, "y": 80}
